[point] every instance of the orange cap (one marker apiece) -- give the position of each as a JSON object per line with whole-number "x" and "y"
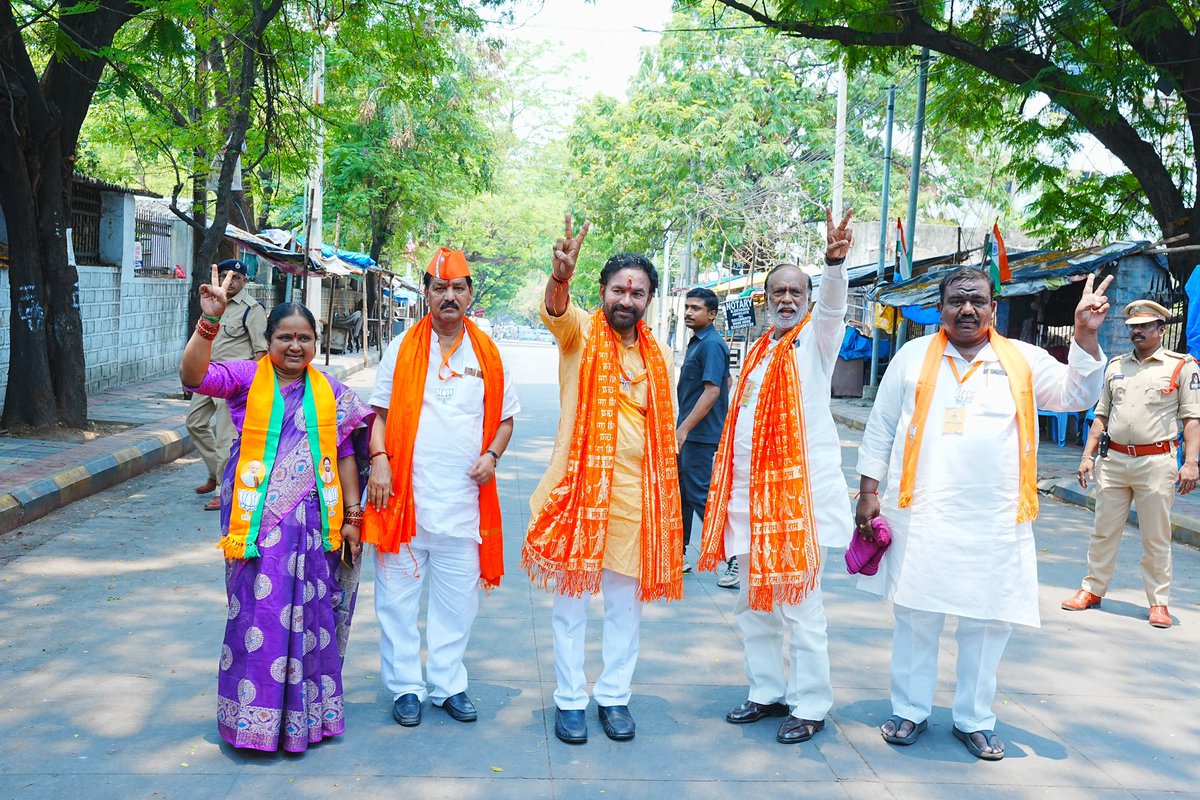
{"x": 448, "y": 265}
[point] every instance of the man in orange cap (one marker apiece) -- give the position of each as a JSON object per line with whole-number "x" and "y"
{"x": 448, "y": 403}
{"x": 1146, "y": 392}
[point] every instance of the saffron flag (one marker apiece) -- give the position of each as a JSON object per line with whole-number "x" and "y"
{"x": 1001, "y": 253}
{"x": 902, "y": 253}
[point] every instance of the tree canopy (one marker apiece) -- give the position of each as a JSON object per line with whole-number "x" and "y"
{"x": 1126, "y": 72}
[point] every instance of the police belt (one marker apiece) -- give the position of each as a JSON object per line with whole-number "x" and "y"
{"x": 1142, "y": 449}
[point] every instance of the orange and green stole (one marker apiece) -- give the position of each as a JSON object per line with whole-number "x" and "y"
{"x": 565, "y": 541}
{"x": 785, "y": 556}
{"x": 260, "y": 445}
{"x": 1020, "y": 384}
{"x": 395, "y": 525}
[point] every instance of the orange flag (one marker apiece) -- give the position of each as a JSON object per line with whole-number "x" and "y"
{"x": 1001, "y": 253}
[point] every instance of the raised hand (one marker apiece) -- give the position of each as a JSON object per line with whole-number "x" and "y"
{"x": 215, "y": 296}
{"x": 566, "y": 250}
{"x": 837, "y": 239}
{"x": 1093, "y": 306}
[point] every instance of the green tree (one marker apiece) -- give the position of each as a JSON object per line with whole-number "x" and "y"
{"x": 732, "y": 130}
{"x": 1124, "y": 71}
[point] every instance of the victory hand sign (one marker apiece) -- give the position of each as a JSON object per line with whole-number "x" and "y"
{"x": 837, "y": 238}
{"x": 215, "y": 296}
{"x": 1090, "y": 314}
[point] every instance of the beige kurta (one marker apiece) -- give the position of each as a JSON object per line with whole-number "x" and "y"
{"x": 622, "y": 547}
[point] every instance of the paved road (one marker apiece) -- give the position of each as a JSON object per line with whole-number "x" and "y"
{"x": 112, "y": 612}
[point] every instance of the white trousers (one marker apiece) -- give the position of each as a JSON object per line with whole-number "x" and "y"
{"x": 806, "y": 687}
{"x": 452, "y": 565}
{"x": 619, "y": 647}
{"x": 981, "y": 644}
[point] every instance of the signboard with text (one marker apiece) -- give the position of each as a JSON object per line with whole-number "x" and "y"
{"x": 739, "y": 313}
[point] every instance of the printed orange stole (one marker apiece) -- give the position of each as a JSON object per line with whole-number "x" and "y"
{"x": 565, "y": 541}
{"x": 785, "y": 556}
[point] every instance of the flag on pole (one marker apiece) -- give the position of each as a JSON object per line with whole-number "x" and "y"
{"x": 1001, "y": 254}
{"x": 902, "y": 252}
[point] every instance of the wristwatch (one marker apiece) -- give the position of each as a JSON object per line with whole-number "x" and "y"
{"x": 493, "y": 454}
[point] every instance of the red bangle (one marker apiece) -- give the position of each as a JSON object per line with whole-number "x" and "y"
{"x": 380, "y": 453}
{"x": 207, "y": 330}
{"x": 859, "y": 493}
{"x": 557, "y": 279}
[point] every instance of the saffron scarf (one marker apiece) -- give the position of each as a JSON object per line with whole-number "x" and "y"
{"x": 1020, "y": 383}
{"x": 565, "y": 541}
{"x": 395, "y": 525}
{"x": 785, "y": 555}
{"x": 260, "y": 445}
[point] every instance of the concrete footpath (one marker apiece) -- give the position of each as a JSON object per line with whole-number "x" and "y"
{"x": 1056, "y": 473}
{"x": 112, "y": 612}
{"x": 146, "y": 428}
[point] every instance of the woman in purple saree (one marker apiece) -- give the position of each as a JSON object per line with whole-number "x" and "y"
{"x": 291, "y": 598}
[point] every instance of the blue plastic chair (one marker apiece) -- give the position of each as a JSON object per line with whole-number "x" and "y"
{"x": 1085, "y": 423}
{"x": 1058, "y": 425}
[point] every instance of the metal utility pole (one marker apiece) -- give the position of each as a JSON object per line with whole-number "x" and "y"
{"x": 914, "y": 186}
{"x": 883, "y": 225}
{"x": 839, "y": 144}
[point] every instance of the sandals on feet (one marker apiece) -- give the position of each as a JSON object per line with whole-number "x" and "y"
{"x": 974, "y": 749}
{"x": 896, "y": 738}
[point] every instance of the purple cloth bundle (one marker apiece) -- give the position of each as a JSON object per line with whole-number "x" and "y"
{"x": 863, "y": 556}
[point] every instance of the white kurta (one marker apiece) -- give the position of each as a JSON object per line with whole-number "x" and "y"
{"x": 958, "y": 548}
{"x": 816, "y": 351}
{"x": 449, "y": 437}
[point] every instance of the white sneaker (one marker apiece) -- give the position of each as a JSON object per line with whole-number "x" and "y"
{"x": 729, "y": 578}
{"x": 687, "y": 568}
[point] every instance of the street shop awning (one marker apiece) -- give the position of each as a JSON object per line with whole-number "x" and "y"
{"x": 352, "y": 258}
{"x": 282, "y": 257}
{"x": 1032, "y": 272}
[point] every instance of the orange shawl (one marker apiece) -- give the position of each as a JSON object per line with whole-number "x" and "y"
{"x": 785, "y": 556}
{"x": 565, "y": 542}
{"x": 1020, "y": 383}
{"x": 387, "y": 529}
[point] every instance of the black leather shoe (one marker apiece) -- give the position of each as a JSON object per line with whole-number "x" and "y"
{"x": 407, "y": 710}
{"x": 795, "y": 730}
{"x": 570, "y": 726}
{"x": 617, "y": 722}
{"x": 751, "y": 711}
{"x": 460, "y": 707}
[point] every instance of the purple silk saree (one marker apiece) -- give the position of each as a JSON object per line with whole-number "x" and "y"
{"x": 280, "y": 678}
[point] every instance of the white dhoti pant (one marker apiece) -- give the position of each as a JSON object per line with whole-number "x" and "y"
{"x": 806, "y": 687}
{"x": 981, "y": 644}
{"x": 619, "y": 647}
{"x": 452, "y": 565}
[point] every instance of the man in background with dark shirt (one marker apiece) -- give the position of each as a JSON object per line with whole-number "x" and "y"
{"x": 703, "y": 394}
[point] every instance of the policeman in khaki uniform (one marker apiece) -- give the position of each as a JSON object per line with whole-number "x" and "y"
{"x": 1146, "y": 392}
{"x": 243, "y": 336}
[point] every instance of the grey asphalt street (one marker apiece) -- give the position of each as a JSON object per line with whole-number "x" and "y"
{"x": 112, "y": 611}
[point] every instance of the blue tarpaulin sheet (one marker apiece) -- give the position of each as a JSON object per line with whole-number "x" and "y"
{"x": 1193, "y": 321}
{"x": 855, "y": 345}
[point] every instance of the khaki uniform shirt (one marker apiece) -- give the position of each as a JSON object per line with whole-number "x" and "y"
{"x": 622, "y": 547}
{"x": 238, "y": 340}
{"x": 1132, "y": 398}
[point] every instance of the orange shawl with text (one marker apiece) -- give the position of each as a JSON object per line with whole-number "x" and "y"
{"x": 785, "y": 556}
{"x": 1020, "y": 383}
{"x": 388, "y": 528}
{"x": 565, "y": 541}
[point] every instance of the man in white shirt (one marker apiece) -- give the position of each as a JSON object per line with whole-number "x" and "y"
{"x": 953, "y": 436}
{"x": 448, "y": 403}
{"x": 780, "y": 496}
